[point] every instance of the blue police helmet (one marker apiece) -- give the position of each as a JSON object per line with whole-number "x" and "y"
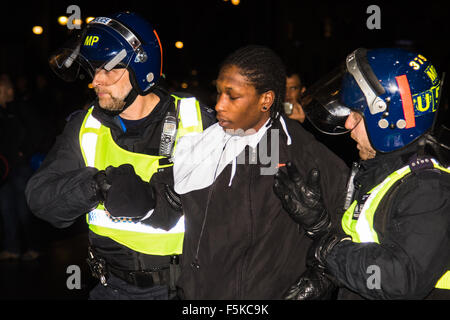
{"x": 120, "y": 41}
{"x": 404, "y": 95}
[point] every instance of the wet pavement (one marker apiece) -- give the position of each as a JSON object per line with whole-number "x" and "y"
{"x": 59, "y": 273}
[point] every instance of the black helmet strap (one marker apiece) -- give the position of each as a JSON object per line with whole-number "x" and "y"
{"x": 129, "y": 99}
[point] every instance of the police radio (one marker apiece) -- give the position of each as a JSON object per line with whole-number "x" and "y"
{"x": 168, "y": 134}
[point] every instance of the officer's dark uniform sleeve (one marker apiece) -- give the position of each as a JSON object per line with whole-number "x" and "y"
{"x": 414, "y": 252}
{"x": 61, "y": 190}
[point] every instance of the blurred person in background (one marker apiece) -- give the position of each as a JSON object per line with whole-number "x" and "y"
{"x": 18, "y": 138}
{"x": 294, "y": 89}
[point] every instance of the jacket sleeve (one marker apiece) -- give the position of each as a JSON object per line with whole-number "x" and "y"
{"x": 61, "y": 190}
{"x": 310, "y": 153}
{"x": 413, "y": 253}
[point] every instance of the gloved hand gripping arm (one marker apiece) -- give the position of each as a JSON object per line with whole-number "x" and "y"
{"x": 123, "y": 192}
{"x": 316, "y": 283}
{"x": 303, "y": 200}
{"x": 168, "y": 208}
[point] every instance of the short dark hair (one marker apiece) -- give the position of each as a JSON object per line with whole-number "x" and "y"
{"x": 293, "y": 74}
{"x": 264, "y": 70}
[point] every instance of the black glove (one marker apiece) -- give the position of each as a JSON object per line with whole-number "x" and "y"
{"x": 125, "y": 193}
{"x": 316, "y": 283}
{"x": 169, "y": 209}
{"x": 101, "y": 186}
{"x": 321, "y": 247}
{"x": 303, "y": 201}
{"x": 313, "y": 284}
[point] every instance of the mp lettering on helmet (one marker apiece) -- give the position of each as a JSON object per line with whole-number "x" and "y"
{"x": 91, "y": 41}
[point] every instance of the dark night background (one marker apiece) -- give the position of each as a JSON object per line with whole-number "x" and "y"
{"x": 311, "y": 37}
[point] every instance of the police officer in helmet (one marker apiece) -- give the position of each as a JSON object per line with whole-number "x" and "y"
{"x": 102, "y": 163}
{"x": 395, "y": 238}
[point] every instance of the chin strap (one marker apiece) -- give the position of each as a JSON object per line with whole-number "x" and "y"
{"x": 129, "y": 99}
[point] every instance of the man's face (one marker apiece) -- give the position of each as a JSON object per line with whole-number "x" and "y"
{"x": 112, "y": 87}
{"x": 239, "y": 106}
{"x": 2, "y": 94}
{"x": 293, "y": 91}
{"x": 6, "y": 93}
{"x": 293, "y": 88}
{"x": 355, "y": 123}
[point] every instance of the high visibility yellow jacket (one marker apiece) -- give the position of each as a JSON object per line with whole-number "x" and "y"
{"x": 100, "y": 151}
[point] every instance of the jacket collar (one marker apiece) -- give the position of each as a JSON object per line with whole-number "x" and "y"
{"x": 373, "y": 171}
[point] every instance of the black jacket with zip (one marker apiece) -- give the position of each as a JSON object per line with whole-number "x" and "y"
{"x": 60, "y": 191}
{"x": 239, "y": 242}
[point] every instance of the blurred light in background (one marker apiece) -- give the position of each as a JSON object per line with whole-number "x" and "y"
{"x": 235, "y": 2}
{"x": 77, "y": 22}
{"x": 38, "y": 30}
{"x": 89, "y": 19}
{"x": 179, "y": 44}
{"x": 62, "y": 20}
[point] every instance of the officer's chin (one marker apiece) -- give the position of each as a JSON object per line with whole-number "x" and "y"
{"x": 110, "y": 104}
{"x": 366, "y": 155}
{"x": 110, "y": 109}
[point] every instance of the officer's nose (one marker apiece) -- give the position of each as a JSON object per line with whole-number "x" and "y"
{"x": 348, "y": 122}
{"x": 99, "y": 78}
{"x": 352, "y": 120}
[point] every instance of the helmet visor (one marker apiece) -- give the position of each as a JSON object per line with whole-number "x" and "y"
{"x": 324, "y": 105}
{"x": 94, "y": 51}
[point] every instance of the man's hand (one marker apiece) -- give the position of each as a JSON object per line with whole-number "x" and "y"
{"x": 297, "y": 112}
{"x": 321, "y": 248}
{"x": 316, "y": 283}
{"x": 101, "y": 186}
{"x": 313, "y": 284}
{"x": 303, "y": 201}
{"x": 125, "y": 194}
